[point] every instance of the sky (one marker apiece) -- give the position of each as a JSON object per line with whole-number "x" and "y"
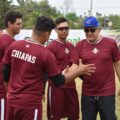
{"x": 81, "y": 7}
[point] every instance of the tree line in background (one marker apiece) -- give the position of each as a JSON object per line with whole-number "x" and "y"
{"x": 31, "y": 9}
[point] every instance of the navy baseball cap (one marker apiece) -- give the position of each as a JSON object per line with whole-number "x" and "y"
{"x": 91, "y": 22}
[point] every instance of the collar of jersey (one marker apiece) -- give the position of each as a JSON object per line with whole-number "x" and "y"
{"x": 34, "y": 42}
{"x": 97, "y": 41}
{"x": 60, "y": 41}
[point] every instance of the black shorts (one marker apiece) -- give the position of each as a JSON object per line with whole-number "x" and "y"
{"x": 91, "y": 105}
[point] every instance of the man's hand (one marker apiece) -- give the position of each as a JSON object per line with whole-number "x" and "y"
{"x": 76, "y": 70}
{"x": 66, "y": 70}
{"x": 88, "y": 69}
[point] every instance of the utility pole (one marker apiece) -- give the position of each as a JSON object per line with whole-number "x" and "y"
{"x": 91, "y": 7}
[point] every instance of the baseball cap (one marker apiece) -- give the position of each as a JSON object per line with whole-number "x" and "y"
{"x": 91, "y": 22}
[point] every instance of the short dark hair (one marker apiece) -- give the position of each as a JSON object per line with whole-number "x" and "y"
{"x": 60, "y": 20}
{"x": 43, "y": 24}
{"x": 11, "y": 17}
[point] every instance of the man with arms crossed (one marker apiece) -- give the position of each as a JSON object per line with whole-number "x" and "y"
{"x": 13, "y": 24}
{"x": 62, "y": 101}
{"x": 26, "y": 63}
{"x": 98, "y": 90}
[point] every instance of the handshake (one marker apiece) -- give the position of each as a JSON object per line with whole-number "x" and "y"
{"x": 75, "y": 70}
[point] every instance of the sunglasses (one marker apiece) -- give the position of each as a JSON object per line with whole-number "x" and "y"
{"x": 63, "y": 28}
{"x": 92, "y": 30}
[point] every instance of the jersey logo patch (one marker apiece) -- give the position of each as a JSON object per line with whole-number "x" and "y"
{"x": 95, "y": 50}
{"x": 66, "y": 51}
{"x": 27, "y": 46}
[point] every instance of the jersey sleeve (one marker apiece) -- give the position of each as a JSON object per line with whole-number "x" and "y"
{"x": 115, "y": 52}
{"x": 74, "y": 58}
{"x": 1, "y": 49}
{"x": 50, "y": 47}
{"x": 7, "y": 56}
{"x": 51, "y": 65}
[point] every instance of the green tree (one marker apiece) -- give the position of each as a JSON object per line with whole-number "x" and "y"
{"x": 115, "y": 19}
{"x": 48, "y": 10}
{"x": 21, "y": 2}
{"x": 5, "y": 5}
{"x": 31, "y": 9}
{"x": 74, "y": 21}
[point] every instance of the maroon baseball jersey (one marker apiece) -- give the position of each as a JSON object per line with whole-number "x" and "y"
{"x": 62, "y": 52}
{"x": 60, "y": 98}
{"x": 30, "y": 62}
{"x": 102, "y": 54}
{"x": 5, "y": 41}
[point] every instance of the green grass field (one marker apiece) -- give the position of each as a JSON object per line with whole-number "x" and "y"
{"x": 78, "y": 84}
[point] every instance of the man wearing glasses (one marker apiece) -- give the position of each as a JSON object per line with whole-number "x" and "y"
{"x": 62, "y": 101}
{"x": 98, "y": 90}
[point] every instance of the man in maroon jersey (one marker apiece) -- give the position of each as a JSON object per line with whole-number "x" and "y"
{"x": 62, "y": 101}
{"x": 98, "y": 90}
{"x": 26, "y": 63}
{"x": 13, "y": 24}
